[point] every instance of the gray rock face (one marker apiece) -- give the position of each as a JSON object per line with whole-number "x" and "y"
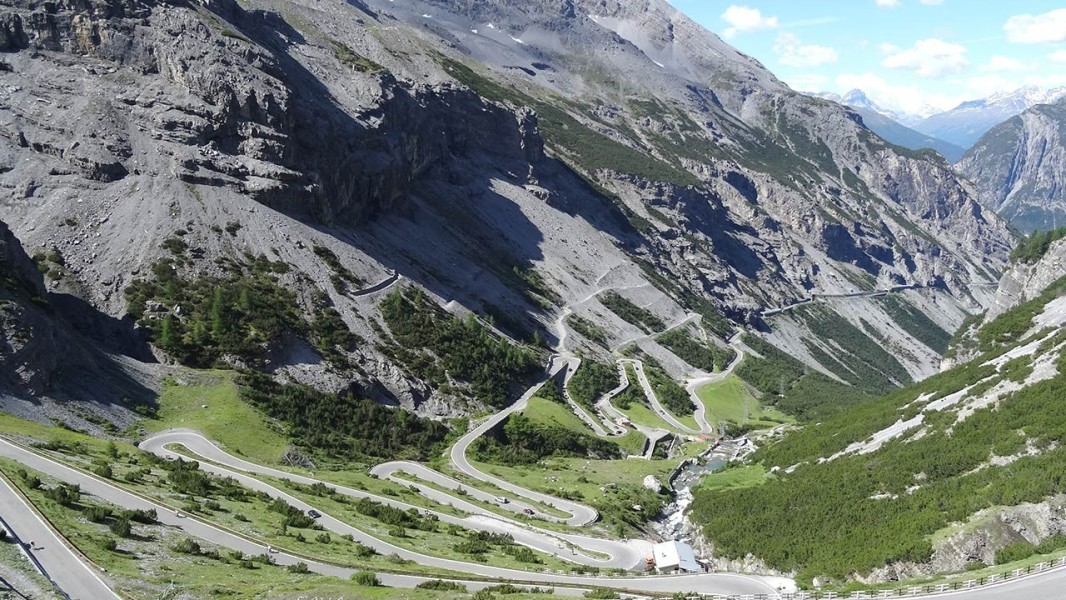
{"x": 452, "y": 142}
{"x": 44, "y": 359}
{"x": 1023, "y": 282}
{"x": 1019, "y": 168}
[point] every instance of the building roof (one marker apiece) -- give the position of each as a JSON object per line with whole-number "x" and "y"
{"x": 675, "y": 554}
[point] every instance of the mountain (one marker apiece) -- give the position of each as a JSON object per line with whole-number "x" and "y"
{"x": 46, "y": 356}
{"x": 1019, "y": 168}
{"x": 951, "y": 474}
{"x": 858, "y": 99}
{"x": 307, "y": 188}
{"x": 967, "y": 122}
{"x": 886, "y": 124}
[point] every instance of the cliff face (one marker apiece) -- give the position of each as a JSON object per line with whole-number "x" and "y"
{"x": 1023, "y": 282}
{"x": 593, "y": 143}
{"x": 1019, "y": 168}
{"x": 43, "y": 358}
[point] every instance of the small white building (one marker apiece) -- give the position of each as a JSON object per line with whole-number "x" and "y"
{"x": 675, "y": 556}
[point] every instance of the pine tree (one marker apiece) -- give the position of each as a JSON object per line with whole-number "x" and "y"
{"x": 167, "y": 336}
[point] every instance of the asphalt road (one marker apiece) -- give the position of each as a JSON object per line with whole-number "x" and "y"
{"x": 1048, "y": 585}
{"x": 74, "y": 577}
{"x": 659, "y": 409}
{"x": 60, "y": 562}
{"x": 620, "y": 555}
{"x": 720, "y": 583}
{"x": 605, "y": 406}
{"x": 580, "y": 514}
{"x": 695, "y": 384}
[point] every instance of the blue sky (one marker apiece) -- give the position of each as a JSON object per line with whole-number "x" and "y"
{"x": 905, "y": 54}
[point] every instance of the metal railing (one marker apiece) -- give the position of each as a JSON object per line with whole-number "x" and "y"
{"x": 910, "y": 591}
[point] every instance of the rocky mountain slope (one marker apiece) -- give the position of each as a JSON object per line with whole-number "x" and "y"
{"x": 510, "y": 159}
{"x": 44, "y": 357}
{"x": 885, "y": 124}
{"x": 967, "y": 122}
{"x": 1019, "y": 168}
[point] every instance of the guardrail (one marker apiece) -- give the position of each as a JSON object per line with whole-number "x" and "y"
{"x": 911, "y": 591}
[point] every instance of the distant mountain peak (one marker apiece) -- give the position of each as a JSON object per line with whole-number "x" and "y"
{"x": 968, "y": 121}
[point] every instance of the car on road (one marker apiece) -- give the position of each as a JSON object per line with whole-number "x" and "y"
{"x": 529, "y": 511}
{"x": 314, "y": 514}
{"x": 501, "y": 500}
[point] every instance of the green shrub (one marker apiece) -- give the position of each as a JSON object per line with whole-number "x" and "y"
{"x": 1031, "y": 249}
{"x": 299, "y": 568}
{"x": 708, "y": 357}
{"x": 631, "y": 313}
{"x": 64, "y": 494}
{"x": 366, "y": 578}
{"x": 245, "y": 313}
{"x": 343, "y": 425}
{"x": 670, "y": 394}
{"x": 187, "y": 546}
{"x": 121, "y": 528}
{"x": 1051, "y": 544}
{"x": 473, "y": 546}
{"x": 97, "y": 514}
{"x": 1014, "y": 551}
{"x": 436, "y": 347}
{"x": 518, "y": 440}
{"x": 552, "y": 390}
{"x": 592, "y": 380}
{"x": 441, "y": 586}
{"x": 588, "y": 329}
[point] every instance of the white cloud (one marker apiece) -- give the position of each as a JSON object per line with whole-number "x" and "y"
{"x": 1005, "y": 64}
{"x": 888, "y": 3}
{"x": 929, "y": 58}
{"x": 743, "y": 18}
{"x": 986, "y": 85}
{"x": 1037, "y": 29}
{"x": 790, "y": 51}
{"x": 886, "y": 48}
{"x": 808, "y": 82}
{"x": 904, "y": 98}
{"x": 1058, "y": 56}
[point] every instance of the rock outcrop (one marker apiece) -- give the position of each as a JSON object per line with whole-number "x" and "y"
{"x": 1025, "y": 281}
{"x": 43, "y": 358}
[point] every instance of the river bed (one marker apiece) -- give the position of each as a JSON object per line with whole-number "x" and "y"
{"x": 670, "y": 523}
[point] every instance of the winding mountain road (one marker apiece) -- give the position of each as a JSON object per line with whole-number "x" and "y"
{"x": 721, "y": 583}
{"x": 580, "y": 514}
{"x": 64, "y": 566}
{"x": 638, "y": 368}
{"x": 694, "y": 384}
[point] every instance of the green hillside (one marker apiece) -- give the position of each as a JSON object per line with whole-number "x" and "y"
{"x": 997, "y": 442}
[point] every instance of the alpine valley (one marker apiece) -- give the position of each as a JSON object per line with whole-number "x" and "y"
{"x": 326, "y": 248}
